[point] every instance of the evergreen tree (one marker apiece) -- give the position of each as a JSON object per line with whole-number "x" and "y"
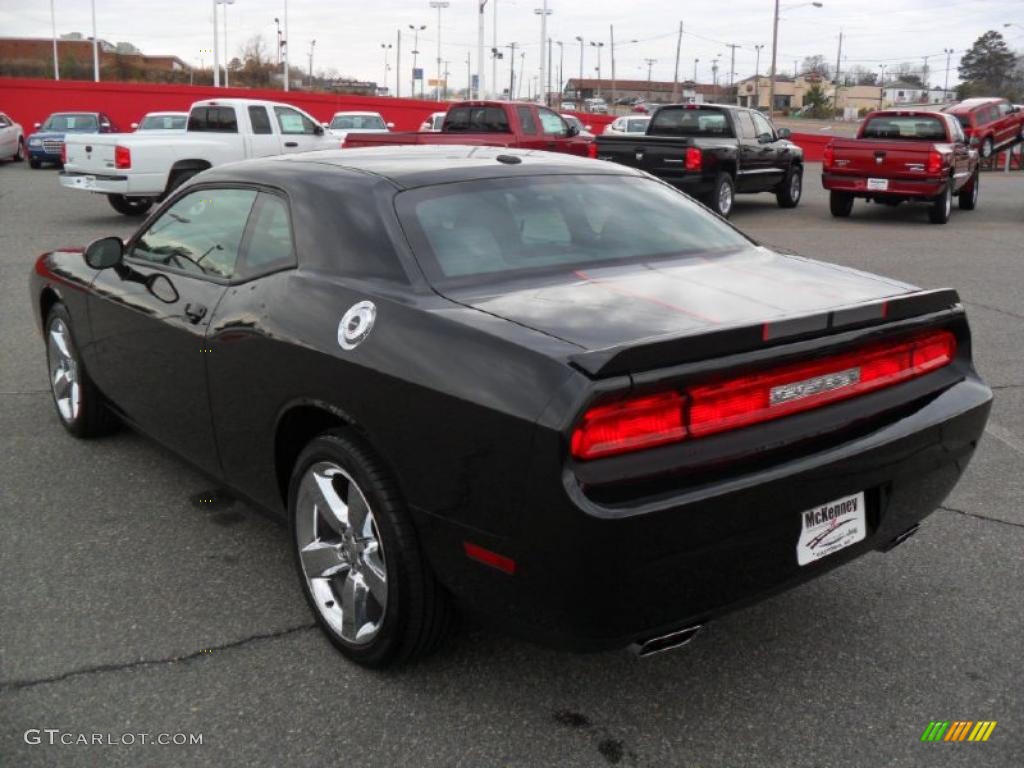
{"x": 987, "y": 68}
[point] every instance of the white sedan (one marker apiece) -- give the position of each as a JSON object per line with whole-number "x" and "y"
{"x": 12, "y": 139}
{"x": 433, "y": 123}
{"x": 362, "y": 122}
{"x": 163, "y": 122}
{"x": 630, "y": 125}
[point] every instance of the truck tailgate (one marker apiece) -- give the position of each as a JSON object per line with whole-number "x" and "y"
{"x": 92, "y": 153}
{"x": 654, "y": 154}
{"x": 891, "y": 159}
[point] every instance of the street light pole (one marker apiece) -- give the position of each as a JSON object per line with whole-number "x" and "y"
{"x": 96, "y": 46}
{"x": 579, "y": 83}
{"x": 312, "y": 45}
{"x": 775, "y": 50}
{"x": 216, "y": 50}
{"x": 286, "y": 45}
{"x": 650, "y": 63}
{"x": 440, "y": 5}
{"x": 543, "y": 12}
{"x": 949, "y": 53}
{"x": 495, "y": 53}
{"x": 415, "y": 52}
{"x": 757, "y": 75}
{"x": 227, "y": 57}
{"x": 512, "y": 72}
{"x": 387, "y": 68}
{"x": 479, "y": 55}
{"x": 599, "y": 46}
{"x": 561, "y": 62}
{"x": 53, "y": 25}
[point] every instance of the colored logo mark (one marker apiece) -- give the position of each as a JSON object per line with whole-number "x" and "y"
{"x": 958, "y": 730}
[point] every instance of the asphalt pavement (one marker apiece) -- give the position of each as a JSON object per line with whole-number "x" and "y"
{"x": 129, "y": 607}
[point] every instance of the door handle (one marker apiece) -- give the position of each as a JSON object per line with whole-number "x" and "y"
{"x": 291, "y": 143}
{"x": 195, "y": 312}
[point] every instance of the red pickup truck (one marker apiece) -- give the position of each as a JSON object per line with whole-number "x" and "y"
{"x": 899, "y": 156}
{"x": 490, "y": 123}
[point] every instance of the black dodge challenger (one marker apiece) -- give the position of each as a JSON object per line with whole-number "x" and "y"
{"x": 551, "y": 389}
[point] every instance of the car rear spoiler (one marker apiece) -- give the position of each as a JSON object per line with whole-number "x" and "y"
{"x": 659, "y": 352}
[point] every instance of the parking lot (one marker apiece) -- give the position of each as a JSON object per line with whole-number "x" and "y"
{"x": 130, "y": 606}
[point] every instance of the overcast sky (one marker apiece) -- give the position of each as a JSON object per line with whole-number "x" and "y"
{"x": 349, "y": 34}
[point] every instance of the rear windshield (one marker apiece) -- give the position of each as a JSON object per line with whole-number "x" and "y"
{"x": 213, "y": 119}
{"x": 476, "y": 120}
{"x": 510, "y": 227}
{"x": 163, "y": 123}
{"x": 905, "y": 127}
{"x": 358, "y": 123}
{"x": 72, "y": 123}
{"x": 690, "y": 121}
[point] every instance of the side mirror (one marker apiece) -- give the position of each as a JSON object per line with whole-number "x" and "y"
{"x": 1015, "y": 108}
{"x": 104, "y": 127}
{"x": 104, "y": 253}
{"x": 325, "y": 125}
{"x": 764, "y": 138}
{"x": 390, "y": 126}
{"x": 571, "y": 130}
{"x": 135, "y": 126}
{"x": 38, "y": 126}
{"x": 785, "y": 133}
{"x": 318, "y": 130}
{"x": 587, "y": 128}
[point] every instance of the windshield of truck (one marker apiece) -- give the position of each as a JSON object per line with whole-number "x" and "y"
{"x": 358, "y": 123}
{"x": 68, "y": 123}
{"x": 690, "y": 121}
{"x": 518, "y": 226}
{"x": 914, "y": 127}
{"x": 476, "y": 120}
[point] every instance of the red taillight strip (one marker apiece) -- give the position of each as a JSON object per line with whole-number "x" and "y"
{"x": 488, "y": 557}
{"x": 644, "y": 422}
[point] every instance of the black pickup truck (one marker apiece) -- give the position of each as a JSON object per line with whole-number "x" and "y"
{"x": 712, "y": 152}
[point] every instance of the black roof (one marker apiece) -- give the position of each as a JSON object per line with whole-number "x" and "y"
{"x": 408, "y": 166}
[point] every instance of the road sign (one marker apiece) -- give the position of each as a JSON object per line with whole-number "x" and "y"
{"x": 417, "y": 73}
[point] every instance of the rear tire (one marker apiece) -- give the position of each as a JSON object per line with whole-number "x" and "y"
{"x": 968, "y": 197}
{"x": 19, "y": 155}
{"x": 130, "y": 206}
{"x": 840, "y": 204}
{"x": 338, "y": 473}
{"x": 791, "y": 189}
{"x": 722, "y": 196}
{"x": 177, "y": 179}
{"x": 80, "y": 406}
{"x": 942, "y": 206}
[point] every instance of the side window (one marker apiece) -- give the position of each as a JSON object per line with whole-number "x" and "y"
{"x": 526, "y": 120}
{"x": 552, "y": 123}
{"x": 260, "y": 120}
{"x": 762, "y": 126}
{"x": 213, "y": 120}
{"x": 291, "y": 121}
{"x": 1004, "y": 108}
{"x": 268, "y": 244}
{"x": 958, "y": 131}
{"x": 200, "y": 233}
{"x": 745, "y": 123}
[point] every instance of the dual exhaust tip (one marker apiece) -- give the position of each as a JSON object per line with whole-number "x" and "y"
{"x": 667, "y": 642}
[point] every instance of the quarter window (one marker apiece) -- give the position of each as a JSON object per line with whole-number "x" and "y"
{"x": 526, "y": 120}
{"x": 269, "y": 242}
{"x": 292, "y": 121}
{"x": 260, "y": 120}
{"x": 200, "y": 233}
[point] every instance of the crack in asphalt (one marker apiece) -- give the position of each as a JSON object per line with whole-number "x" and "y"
{"x": 990, "y": 308}
{"x": 27, "y": 392}
{"x": 997, "y": 387}
{"x": 986, "y": 518}
{"x": 15, "y": 685}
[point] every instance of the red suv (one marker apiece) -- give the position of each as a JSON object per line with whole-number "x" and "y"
{"x": 989, "y": 123}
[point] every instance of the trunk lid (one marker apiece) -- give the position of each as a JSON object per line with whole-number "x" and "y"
{"x": 615, "y": 307}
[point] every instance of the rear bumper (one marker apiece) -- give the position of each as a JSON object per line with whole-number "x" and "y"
{"x": 104, "y": 184}
{"x": 588, "y": 577}
{"x": 693, "y": 184}
{"x": 858, "y": 185}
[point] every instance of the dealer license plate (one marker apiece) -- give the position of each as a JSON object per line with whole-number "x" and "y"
{"x": 878, "y": 185}
{"x": 84, "y": 181}
{"x": 830, "y": 527}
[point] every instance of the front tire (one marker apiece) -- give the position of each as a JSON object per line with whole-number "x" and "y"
{"x": 79, "y": 404}
{"x": 130, "y": 206}
{"x": 359, "y": 558}
{"x": 968, "y": 198}
{"x": 791, "y": 189}
{"x": 942, "y": 206}
{"x": 840, "y": 204}
{"x": 723, "y": 195}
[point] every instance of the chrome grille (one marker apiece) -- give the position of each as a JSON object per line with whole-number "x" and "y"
{"x": 52, "y": 146}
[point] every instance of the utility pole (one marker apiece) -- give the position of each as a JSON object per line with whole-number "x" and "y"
{"x": 216, "y": 49}
{"x": 415, "y": 52}
{"x": 56, "y": 65}
{"x": 479, "y": 53}
{"x": 732, "y": 67}
{"x": 547, "y": 88}
{"x": 757, "y": 75}
{"x": 387, "y": 67}
{"x": 469, "y": 77}
{"x": 285, "y": 41}
{"x": 675, "y": 76}
{"x": 650, "y": 63}
{"x": 945, "y": 88}
{"x": 522, "y": 69}
{"x": 96, "y": 42}
{"x": 924, "y": 75}
{"x": 695, "y": 63}
{"x": 775, "y": 52}
{"x": 512, "y": 71}
{"x": 445, "y": 78}
{"x": 398, "y": 66}
{"x": 839, "y": 59}
{"x": 312, "y": 45}
{"x": 561, "y": 63}
{"x": 543, "y": 12}
{"x": 277, "y": 57}
{"x": 440, "y": 5}
{"x": 611, "y": 34}
{"x": 495, "y": 53}
{"x": 579, "y": 83}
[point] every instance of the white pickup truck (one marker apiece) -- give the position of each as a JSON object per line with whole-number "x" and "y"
{"x": 135, "y": 170}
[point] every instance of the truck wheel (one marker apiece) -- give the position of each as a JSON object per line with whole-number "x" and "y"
{"x": 968, "y": 198}
{"x": 359, "y": 558}
{"x": 34, "y": 163}
{"x": 840, "y": 203}
{"x": 177, "y": 179}
{"x": 130, "y": 206}
{"x": 722, "y": 195}
{"x": 942, "y": 206}
{"x": 986, "y": 148}
{"x": 789, "y": 191}
{"x": 20, "y": 154}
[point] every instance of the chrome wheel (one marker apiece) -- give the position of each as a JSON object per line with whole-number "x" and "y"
{"x": 795, "y": 186}
{"x": 724, "y": 198}
{"x": 341, "y": 553}
{"x": 949, "y": 199}
{"x": 64, "y": 381}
